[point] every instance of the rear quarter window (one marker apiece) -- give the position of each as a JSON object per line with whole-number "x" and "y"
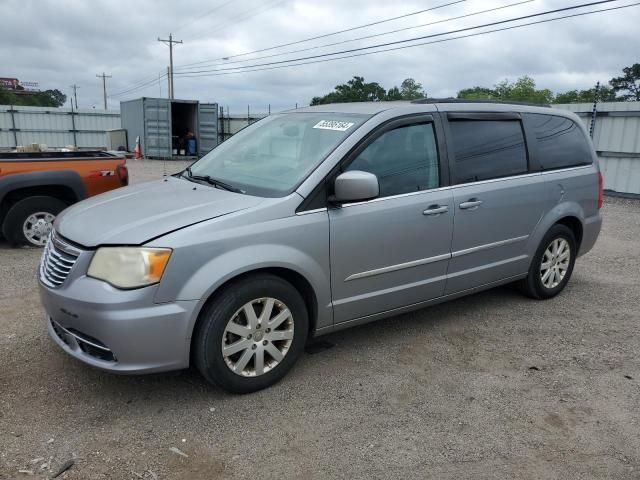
{"x": 561, "y": 143}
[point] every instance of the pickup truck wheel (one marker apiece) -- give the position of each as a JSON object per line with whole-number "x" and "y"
{"x": 250, "y": 335}
{"x": 552, "y": 264}
{"x": 30, "y": 220}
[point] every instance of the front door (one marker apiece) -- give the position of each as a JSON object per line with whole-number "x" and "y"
{"x": 394, "y": 250}
{"x": 497, "y": 202}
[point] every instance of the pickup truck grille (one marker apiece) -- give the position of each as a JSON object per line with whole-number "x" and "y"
{"x": 58, "y": 258}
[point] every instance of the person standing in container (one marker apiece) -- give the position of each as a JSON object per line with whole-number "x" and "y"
{"x": 191, "y": 144}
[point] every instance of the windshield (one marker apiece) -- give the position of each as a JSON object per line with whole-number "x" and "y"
{"x": 270, "y": 158}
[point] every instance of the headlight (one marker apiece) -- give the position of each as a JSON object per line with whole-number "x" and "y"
{"x": 129, "y": 267}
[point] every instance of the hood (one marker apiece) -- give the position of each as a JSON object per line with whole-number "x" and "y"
{"x": 136, "y": 214}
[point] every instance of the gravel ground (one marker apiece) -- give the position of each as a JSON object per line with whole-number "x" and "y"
{"x": 489, "y": 386}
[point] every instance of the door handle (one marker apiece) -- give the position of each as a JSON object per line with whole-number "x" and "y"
{"x": 436, "y": 210}
{"x": 471, "y": 203}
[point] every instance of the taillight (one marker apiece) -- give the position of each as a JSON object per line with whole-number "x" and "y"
{"x": 123, "y": 174}
{"x": 600, "y": 190}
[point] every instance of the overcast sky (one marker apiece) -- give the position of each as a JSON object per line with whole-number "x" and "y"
{"x": 61, "y": 42}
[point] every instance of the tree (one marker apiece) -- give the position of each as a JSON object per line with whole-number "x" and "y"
{"x": 47, "y": 98}
{"x": 629, "y": 83}
{"x": 355, "y": 90}
{"x": 522, "y": 90}
{"x": 394, "y": 93}
{"x": 605, "y": 94}
{"x": 411, "y": 90}
{"x": 6, "y": 97}
{"x": 52, "y": 98}
{"x": 478, "y": 93}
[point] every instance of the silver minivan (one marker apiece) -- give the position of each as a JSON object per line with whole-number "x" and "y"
{"x": 314, "y": 220}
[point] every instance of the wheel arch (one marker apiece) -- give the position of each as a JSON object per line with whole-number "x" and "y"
{"x": 65, "y": 185}
{"x": 294, "y": 278}
{"x": 575, "y": 225}
{"x": 569, "y": 214}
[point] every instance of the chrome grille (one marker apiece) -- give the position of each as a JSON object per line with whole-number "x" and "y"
{"x": 58, "y": 258}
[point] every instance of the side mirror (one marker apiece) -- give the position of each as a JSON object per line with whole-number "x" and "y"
{"x": 355, "y": 186}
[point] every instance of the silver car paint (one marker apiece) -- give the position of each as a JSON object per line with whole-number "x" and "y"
{"x": 376, "y": 262}
{"x": 357, "y": 265}
{"x": 489, "y": 241}
{"x": 138, "y": 213}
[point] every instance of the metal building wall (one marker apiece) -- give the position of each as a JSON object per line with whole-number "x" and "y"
{"x": 55, "y": 127}
{"x": 616, "y": 138}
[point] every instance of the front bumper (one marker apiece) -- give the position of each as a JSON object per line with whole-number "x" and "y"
{"x": 121, "y": 331}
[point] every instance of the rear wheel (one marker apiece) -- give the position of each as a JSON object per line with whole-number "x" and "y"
{"x": 552, "y": 264}
{"x": 251, "y": 334}
{"x": 30, "y": 220}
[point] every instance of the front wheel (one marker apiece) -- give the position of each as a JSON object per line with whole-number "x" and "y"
{"x": 30, "y": 220}
{"x": 250, "y": 335}
{"x": 552, "y": 264}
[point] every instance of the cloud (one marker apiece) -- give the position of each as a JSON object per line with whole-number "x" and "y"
{"x": 58, "y": 43}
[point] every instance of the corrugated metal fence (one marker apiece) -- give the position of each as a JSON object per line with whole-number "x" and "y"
{"x": 55, "y": 127}
{"x": 616, "y": 133}
{"x": 616, "y": 138}
{"x": 229, "y": 125}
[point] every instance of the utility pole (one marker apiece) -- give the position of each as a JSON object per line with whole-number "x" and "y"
{"x": 170, "y": 42}
{"x": 75, "y": 94}
{"x": 104, "y": 87}
{"x": 168, "y": 83}
{"x": 594, "y": 112}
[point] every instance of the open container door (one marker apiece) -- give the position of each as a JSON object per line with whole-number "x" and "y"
{"x": 208, "y": 127}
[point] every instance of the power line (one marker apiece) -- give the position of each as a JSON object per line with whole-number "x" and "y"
{"x": 371, "y": 36}
{"x": 513, "y": 27}
{"x": 134, "y": 85}
{"x": 170, "y": 41}
{"x": 240, "y": 17}
{"x": 378, "y": 22}
{"x": 202, "y": 15}
{"x": 397, "y": 42}
{"x": 145, "y": 83}
{"x": 104, "y": 87}
{"x": 141, "y": 86}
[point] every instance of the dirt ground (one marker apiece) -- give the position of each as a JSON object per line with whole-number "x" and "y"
{"x": 489, "y": 386}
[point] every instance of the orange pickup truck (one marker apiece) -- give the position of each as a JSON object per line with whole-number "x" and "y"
{"x": 35, "y": 187}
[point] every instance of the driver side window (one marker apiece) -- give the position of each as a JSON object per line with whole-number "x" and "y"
{"x": 404, "y": 159}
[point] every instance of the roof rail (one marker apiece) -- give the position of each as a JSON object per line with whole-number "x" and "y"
{"x": 477, "y": 100}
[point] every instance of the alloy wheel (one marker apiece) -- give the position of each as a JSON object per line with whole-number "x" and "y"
{"x": 555, "y": 263}
{"x": 257, "y": 337}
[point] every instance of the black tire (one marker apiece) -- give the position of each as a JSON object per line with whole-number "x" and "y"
{"x": 20, "y": 211}
{"x": 208, "y": 336}
{"x": 532, "y": 285}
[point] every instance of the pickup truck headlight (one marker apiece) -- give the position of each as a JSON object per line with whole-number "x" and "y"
{"x": 129, "y": 267}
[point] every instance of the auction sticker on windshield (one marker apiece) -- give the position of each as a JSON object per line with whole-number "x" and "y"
{"x": 333, "y": 125}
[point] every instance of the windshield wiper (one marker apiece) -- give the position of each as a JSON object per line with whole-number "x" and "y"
{"x": 212, "y": 181}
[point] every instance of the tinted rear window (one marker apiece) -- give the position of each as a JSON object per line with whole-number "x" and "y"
{"x": 486, "y": 149}
{"x": 561, "y": 143}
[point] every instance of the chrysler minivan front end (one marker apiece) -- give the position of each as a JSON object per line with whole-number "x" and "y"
{"x": 100, "y": 307}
